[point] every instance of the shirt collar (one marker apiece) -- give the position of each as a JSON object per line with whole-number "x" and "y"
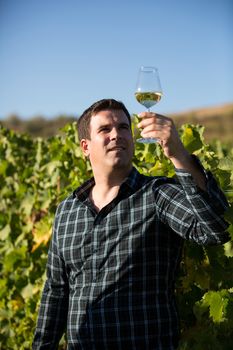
{"x": 82, "y": 192}
{"x": 132, "y": 181}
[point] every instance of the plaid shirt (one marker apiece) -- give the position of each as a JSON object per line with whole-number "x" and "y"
{"x": 110, "y": 275}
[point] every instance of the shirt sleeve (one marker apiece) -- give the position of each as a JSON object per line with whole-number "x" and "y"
{"x": 192, "y": 213}
{"x": 53, "y": 309}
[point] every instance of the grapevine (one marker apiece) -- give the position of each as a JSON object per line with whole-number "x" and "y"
{"x": 36, "y": 174}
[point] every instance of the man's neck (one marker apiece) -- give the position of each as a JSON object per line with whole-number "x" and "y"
{"x": 112, "y": 178}
{"x": 107, "y": 187}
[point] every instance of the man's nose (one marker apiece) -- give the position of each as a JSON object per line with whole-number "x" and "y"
{"x": 115, "y": 134}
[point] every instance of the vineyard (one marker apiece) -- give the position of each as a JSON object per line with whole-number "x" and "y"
{"x": 36, "y": 174}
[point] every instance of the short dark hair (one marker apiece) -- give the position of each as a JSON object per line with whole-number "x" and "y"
{"x": 101, "y": 105}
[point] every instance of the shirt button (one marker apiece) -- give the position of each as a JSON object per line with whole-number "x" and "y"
{"x": 193, "y": 190}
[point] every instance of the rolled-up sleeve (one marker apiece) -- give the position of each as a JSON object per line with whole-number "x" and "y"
{"x": 192, "y": 213}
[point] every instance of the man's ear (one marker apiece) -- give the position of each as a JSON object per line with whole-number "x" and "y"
{"x": 85, "y": 147}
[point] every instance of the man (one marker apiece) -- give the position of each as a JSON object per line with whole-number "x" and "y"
{"x": 117, "y": 239}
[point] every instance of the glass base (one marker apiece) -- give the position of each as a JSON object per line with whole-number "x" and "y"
{"x": 147, "y": 140}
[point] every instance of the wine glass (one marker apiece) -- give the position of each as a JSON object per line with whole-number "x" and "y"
{"x": 148, "y": 92}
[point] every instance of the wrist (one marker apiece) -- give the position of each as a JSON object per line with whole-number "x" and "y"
{"x": 183, "y": 161}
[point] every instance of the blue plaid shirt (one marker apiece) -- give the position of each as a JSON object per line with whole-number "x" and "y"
{"x": 110, "y": 275}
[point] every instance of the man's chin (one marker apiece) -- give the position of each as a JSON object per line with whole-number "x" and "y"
{"x": 120, "y": 164}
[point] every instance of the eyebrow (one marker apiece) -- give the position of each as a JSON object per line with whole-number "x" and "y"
{"x": 109, "y": 125}
{"x": 124, "y": 124}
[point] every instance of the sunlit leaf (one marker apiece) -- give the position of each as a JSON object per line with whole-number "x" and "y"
{"x": 5, "y": 232}
{"x": 217, "y": 304}
{"x": 42, "y": 232}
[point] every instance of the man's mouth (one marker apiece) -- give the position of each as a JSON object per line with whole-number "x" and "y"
{"x": 117, "y": 148}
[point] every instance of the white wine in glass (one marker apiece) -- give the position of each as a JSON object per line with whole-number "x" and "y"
{"x": 148, "y": 92}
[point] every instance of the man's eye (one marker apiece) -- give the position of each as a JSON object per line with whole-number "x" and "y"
{"x": 104, "y": 129}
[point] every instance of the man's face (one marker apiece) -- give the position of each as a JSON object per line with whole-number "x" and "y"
{"x": 111, "y": 142}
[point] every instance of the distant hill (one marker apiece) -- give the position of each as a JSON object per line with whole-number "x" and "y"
{"x": 37, "y": 126}
{"x": 218, "y": 123}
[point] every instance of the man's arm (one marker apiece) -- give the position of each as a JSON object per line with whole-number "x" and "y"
{"x": 53, "y": 310}
{"x": 194, "y": 208}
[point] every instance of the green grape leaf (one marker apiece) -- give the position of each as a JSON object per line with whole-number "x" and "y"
{"x": 42, "y": 232}
{"x": 217, "y": 305}
{"x": 4, "y": 233}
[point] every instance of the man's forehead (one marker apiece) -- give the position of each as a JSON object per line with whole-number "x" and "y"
{"x": 109, "y": 115}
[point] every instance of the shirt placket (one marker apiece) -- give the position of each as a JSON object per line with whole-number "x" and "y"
{"x": 95, "y": 245}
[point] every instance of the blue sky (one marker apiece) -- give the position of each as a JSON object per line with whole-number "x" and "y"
{"x": 58, "y": 57}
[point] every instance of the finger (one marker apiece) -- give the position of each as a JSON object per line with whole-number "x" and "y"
{"x": 146, "y": 119}
{"x": 148, "y": 115}
{"x": 154, "y": 120}
{"x": 143, "y": 115}
{"x": 153, "y": 127}
{"x": 160, "y": 133}
{"x": 164, "y": 128}
{"x": 152, "y": 134}
{"x": 162, "y": 119}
